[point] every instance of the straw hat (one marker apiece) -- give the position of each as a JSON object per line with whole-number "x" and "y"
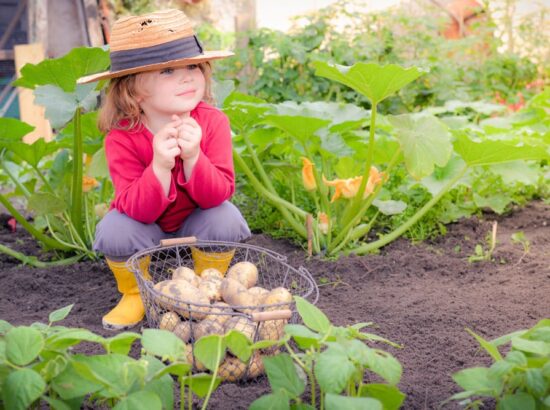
{"x": 151, "y": 42}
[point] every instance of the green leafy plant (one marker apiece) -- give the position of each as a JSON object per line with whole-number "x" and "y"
{"x": 329, "y": 140}
{"x": 37, "y": 364}
{"x": 481, "y": 254}
{"x": 335, "y": 361}
{"x": 519, "y": 237}
{"x": 519, "y": 380}
{"x": 63, "y": 200}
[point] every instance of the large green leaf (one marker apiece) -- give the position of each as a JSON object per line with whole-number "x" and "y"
{"x": 61, "y": 105}
{"x": 274, "y": 401}
{"x": 333, "y": 370}
{"x": 23, "y": 344}
{"x": 244, "y": 111}
{"x": 44, "y": 203}
{"x": 302, "y": 128}
{"x": 342, "y": 116}
{"x": 390, "y": 396}
{"x": 21, "y": 388}
{"x": 312, "y": 316}
{"x": 140, "y": 400}
{"x": 70, "y": 384}
{"x": 443, "y": 175}
{"x": 282, "y": 374}
{"x": 63, "y": 72}
{"x": 517, "y": 401}
{"x": 210, "y": 350}
{"x": 374, "y": 81}
{"x": 425, "y": 141}
{"x": 200, "y": 383}
{"x": 383, "y": 364}
{"x": 163, "y": 343}
{"x": 13, "y": 130}
{"x": 478, "y": 152}
{"x": 335, "y": 402}
{"x": 477, "y": 379}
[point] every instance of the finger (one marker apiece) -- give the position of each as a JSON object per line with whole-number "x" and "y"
{"x": 191, "y": 121}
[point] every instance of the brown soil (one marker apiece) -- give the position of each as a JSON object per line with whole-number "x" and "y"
{"x": 422, "y": 296}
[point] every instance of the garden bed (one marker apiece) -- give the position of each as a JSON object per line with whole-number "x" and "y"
{"x": 420, "y": 295}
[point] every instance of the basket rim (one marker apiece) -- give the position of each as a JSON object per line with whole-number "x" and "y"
{"x": 133, "y": 264}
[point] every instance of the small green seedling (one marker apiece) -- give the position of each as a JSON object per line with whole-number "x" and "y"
{"x": 519, "y": 237}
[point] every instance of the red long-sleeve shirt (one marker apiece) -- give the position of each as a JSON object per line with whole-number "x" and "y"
{"x": 138, "y": 192}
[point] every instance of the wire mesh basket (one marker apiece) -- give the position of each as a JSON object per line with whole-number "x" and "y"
{"x": 195, "y": 288}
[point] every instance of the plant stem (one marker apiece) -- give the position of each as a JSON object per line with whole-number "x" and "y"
{"x": 76, "y": 197}
{"x": 308, "y": 371}
{"x": 384, "y": 240}
{"x": 39, "y": 236}
{"x": 14, "y": 179}
{"x": 341, "y": 237}
{"x": 356, "y": 200}
{"x": 33, "y": 261}
{"x": 215, "y": 375}
{"x": 282, "y": 205}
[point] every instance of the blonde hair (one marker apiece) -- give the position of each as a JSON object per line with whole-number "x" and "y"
{"x": 120, "y": 108}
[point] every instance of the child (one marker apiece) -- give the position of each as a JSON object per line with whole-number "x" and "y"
{"x": 169, "y": 152}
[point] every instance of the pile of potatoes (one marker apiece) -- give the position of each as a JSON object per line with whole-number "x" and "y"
{"x": 210, "y": 303}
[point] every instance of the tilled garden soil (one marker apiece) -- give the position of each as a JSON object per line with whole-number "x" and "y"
{"x": 422, "y": 296}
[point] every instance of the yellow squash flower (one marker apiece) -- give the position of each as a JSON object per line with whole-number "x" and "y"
{"x": 307, "y": 175}
{"x": 348, "y": 188}
{"x": 88, "y": 183}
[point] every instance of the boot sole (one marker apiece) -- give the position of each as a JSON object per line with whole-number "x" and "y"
{"x": 114, "y": 326}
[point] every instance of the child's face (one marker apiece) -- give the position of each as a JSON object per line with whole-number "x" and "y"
{"x": 171, "y": 91}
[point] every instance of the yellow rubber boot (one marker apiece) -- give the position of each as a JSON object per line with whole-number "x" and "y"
{"x": 205, "y": 260}
{"x": 129, "y": 311}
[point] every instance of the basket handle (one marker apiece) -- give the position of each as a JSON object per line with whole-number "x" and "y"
{"x": 178, "y": 241}
{"x": 271, "y": 315}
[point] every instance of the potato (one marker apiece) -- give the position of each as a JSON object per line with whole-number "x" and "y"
{"x": 186, "y": 298}
{"x": 259, "y": 294}
{"x": 190, "y": 359}
{"x": 276, "y": 296}
{"x": 220, "y": 312}
{"x": 232, "y": 369}
{"x": 232, "y": 291}
{"x": 211, "y": 287}
{"x": 243, "y": 325}
{"x": 207, "y": 327}
{"x": 272, "y": 329}
{"x": 187, "y": 274}
{"x": 245, "y": 273}
{"x": 183, "y": 331}
{"x": 169, "y": 321}
{"x": 211, "y": 273}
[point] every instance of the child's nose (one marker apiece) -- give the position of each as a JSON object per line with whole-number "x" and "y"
{"x": 184, "y": 75}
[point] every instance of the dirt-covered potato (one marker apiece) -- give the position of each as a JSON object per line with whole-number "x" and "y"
{"x": 211, "y": 273}
{"x": 187, "y": 274}
{"x": 233, "y": 292}
{"x": 232, "y": 369}
{"x": 276, "y": 296}
{"x": 220, "y": 312}
{"x": 211, "y": 287}
{"x": 183, "y": 331}
{"x": 245, "y": 273}
{"x": 189, "y": 356}
{"x": 169, "y": 321}
{"x": 207, "y": 327}
{"x": 272, "y": 329}
{"x": 242, "y": 324}
{"x": 259, "y": 294}
{"x": 186, "y": 298}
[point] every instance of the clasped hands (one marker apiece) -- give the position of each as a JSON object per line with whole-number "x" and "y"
{"x": 180, "y": 137}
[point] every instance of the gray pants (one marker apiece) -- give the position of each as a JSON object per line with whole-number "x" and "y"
{"x": 118, "y": 236}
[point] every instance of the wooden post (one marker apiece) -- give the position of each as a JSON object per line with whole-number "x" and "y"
{"x": 30, "y": 112}
{"x": 38, "y": 22}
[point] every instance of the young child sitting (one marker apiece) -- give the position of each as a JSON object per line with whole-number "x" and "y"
{"x": 168, "y": 149}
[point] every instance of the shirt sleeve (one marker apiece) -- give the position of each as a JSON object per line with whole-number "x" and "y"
{"x": 213, "y": 178}
{"x": 138, "y": 192}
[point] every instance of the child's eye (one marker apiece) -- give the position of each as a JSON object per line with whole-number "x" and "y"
{"x": 192, "y": 67}
{"x": 167, "y": 71}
